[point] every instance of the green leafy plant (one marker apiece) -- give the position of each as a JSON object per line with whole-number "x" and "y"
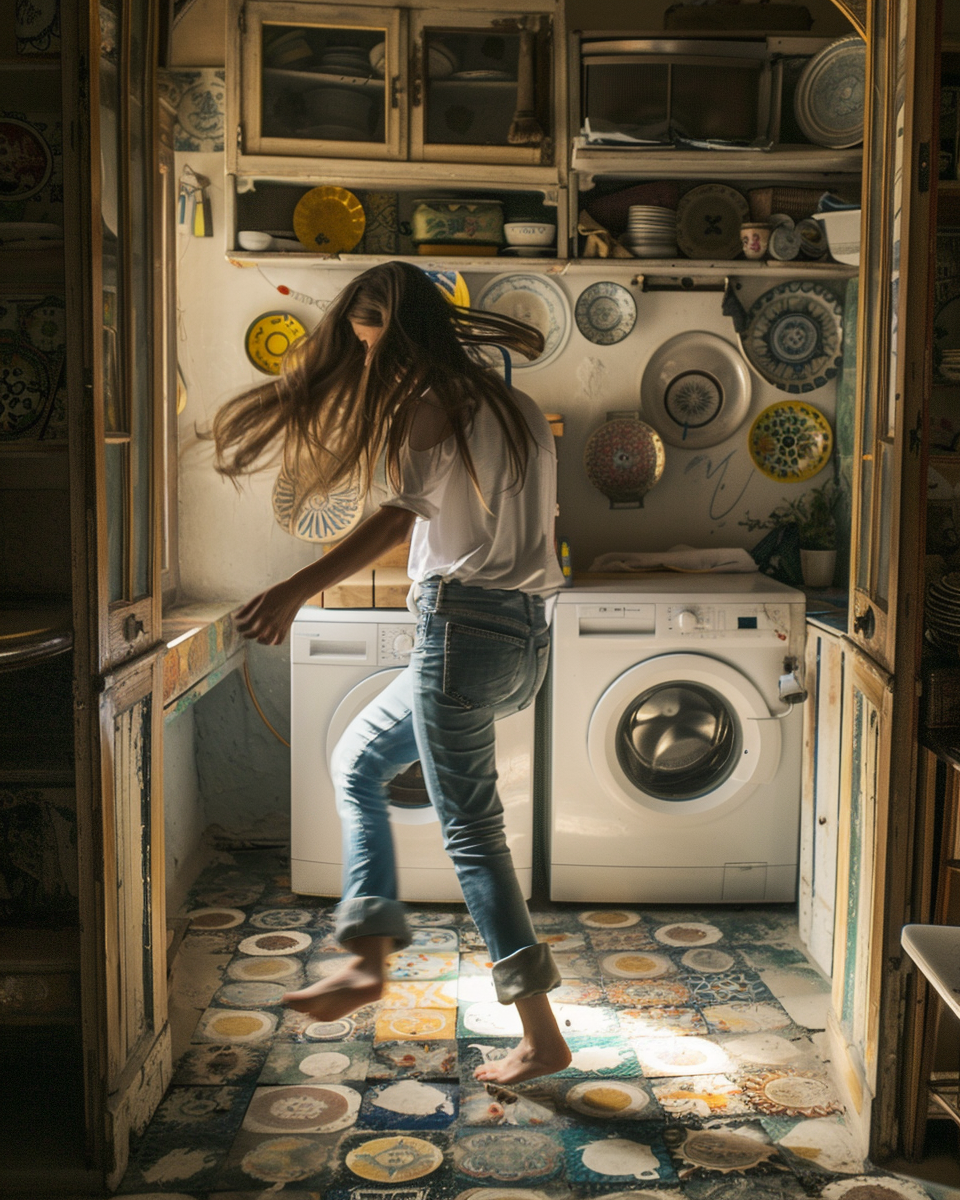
{"x": 813, "y": 515}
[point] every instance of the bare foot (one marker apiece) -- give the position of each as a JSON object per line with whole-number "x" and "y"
{"x": 527, "y": 1061}
{"x": 358, "y": 982}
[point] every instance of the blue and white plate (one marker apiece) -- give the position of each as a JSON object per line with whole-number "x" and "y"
{"x": 828, "y": 102}
{"x": 537, "y": 301}
{"x": 605, "y": 313}
{"x": 319, "y": 517}
{"x": 794, "y": 336}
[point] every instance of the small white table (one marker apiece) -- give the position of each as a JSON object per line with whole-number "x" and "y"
{"x": 936, "y": 951}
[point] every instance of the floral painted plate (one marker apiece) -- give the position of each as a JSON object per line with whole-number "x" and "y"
{"x": 828, "y": 102}
{"x": 27, "y": 160}
{"x": 269, "y": 338}
{"x": 794, "y": 336}
{"x": 695, "y": 390}
{"x": 709, "y": 219}
{"x": 536, "y": 300}
{"x": 790, "y": 441}
{"x": 605, "y": 313}
{"x": 320, "y": 517}
{"x": 624, "y": 458}
{"x": 329, "y": 220}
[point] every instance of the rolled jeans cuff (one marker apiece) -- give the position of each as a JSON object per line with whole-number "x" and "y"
{"x": 526, "y": 972}
{"x": 372, "y": 916}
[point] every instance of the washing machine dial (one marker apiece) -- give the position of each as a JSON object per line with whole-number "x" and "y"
{"x": 687, "y": 620}
{"x": 402, "y": 644}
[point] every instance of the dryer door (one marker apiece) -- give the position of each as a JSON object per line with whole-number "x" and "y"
{"x": 409, "y": 802}
{"x": 681, "y": 734}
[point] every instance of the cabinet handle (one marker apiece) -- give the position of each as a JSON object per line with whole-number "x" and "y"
{"x": 821, "y": 820}
{"x": 395, "y": 91}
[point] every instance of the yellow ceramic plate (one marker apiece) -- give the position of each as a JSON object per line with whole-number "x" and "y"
{"x": 790, "y": 441}
{"x": 329, "y": 220}
{"x": 269, "y": 338}
{"x": 453, "y": 286}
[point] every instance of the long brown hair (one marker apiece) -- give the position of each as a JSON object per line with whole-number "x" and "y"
{"x": 331, "y": 414}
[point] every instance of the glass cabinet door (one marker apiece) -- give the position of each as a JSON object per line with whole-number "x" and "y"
{"x": 320, "y": 82}
{"x": 482, "y": 87}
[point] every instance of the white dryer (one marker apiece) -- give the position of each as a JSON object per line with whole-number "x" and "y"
{"x": 674, "y": 762}
{"x": 340, "y": 660}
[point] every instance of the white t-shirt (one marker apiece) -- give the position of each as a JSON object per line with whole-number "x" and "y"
{"x": 455, "y": 537}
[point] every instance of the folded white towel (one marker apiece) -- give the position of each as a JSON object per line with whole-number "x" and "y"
{"x": 733, "y": 561}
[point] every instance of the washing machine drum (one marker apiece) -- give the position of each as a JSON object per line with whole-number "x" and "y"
{"x": 683, "y": 733}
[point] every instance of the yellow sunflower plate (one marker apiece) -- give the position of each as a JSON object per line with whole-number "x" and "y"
{"x": 269, "y": 338}
{"x": 329, "y": 220}
{"x": 790, "y": 441}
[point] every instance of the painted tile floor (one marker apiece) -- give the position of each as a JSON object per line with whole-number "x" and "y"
{"x": 698, "y": 1068}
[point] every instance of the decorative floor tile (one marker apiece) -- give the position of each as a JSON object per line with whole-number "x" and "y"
{"x": 654, "y": 994}
{"x": 604, "y": 1057}
{"x": 391, "y": 1159}
{"x": 611, "y": 918}
{"x": 172, "y": 1167}
{"x": 722, "y": 1149}
{"x": 687, "y": 934}
{"x": 413, "y": 1060}
{"x": 579, "y": 992}
{"x": 725, "y": 989}
{"x": 219, "y": 1064}
{"x": 230, "y": 1025}
{"x": 768, "y": 1049}
{"x": 302, "y": 1108}
{"x": 700, "y": 1096}
{"x": 298, "y": 1027}
{"x": 789, "y": 1093}
{"x": 409, "y": 1104}
{"x": 334, "y": 1062}
{"x": 576, "y": 964}
{"x": 278, "y": 941}
{"x": 507, "y": 1156}
{"x": 636, "y": 938}
{"x": 824, "y": 1145}
{"x": 246, "y": 994}
{"x": 215, "y": 918}
{"x": 424, "y": 918}
{"x": 636, "y": 965}
{"x": 733, "y": 1187}
{"x": 562, "y": 941}
{"x": 236, "y": 897}
{"x": 772, "y": 958}
{"x": 745, "y": 1018}
{"x": 474, "y": 989}
{"x": 873, "y": 1187}
{"x": 803, "y": 992}
{"x": 416, "y": 964}
{"x": 281, "y": 918}
{"x": 681, "y": 1056}
{"x": 265, "y": 1161}
{"x": 213, "y": 941}
{"x": 283, "y": 969}
{"x": 522, "y": 1105}
{"x": 611, "y": 1100}
{"x": 415, "y": 1024}
{"x": 626, "y": 1159}
{"x": 475, "y": 962}
{"x": 489, "y": 1019}
{"x": 433, "y": 994}
{"x": 435, "y": 939}
{"x": 710, "y": 960}
{"x": 577, "y": 1021}
{"x": 321, "y": 964}
{"x": 667, "y": 1021}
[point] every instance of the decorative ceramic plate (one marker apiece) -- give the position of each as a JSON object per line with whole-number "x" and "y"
{"x": 269, "y": 338}
{"x": 329, "y": 220}
{"x": 536, "y": 300}
{"x": 790, "y": 1094}
{"x": 227, "y": 1025}
{"x": 320, "y": 517}
{"x": 302, "y": 1108}
{"x": 281, "y": 941}
{"x": 794, "y": 336}
{"x": 281, "y": 918}
{"x": 453, "y": 286}
{"x": 709, "y": 219}
{"x": 247, "y": 993}
{"x": 507, "y": 1156}
{"x": 264, "y": 969}
{"x": 790, "y": 441}
{"x": 695, "y": 390}
{"x": 216, "y": 918}
{"x": 605, "y": 313}
{"x": 611, "y": 1099}
{"x": 27, "y": 160}
{"x": 708, "y": 960}
{"x": 828, "y": 102}
{"x": 25, "y": 387}
{"x": 609, "y": 918}
{"x": 624, "y": 458}
{"x": 687, "y": 933}
{"x": 394, "y": 1160}
{"x": 634, "y": 964}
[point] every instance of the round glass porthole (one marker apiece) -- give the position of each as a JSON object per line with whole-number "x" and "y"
{"x": 678, "y": 741}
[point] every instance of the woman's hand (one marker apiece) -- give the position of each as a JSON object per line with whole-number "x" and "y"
{"x": 267, "y": 617}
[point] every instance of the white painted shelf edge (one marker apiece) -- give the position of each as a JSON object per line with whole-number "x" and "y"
{"x": 936, "y": 951}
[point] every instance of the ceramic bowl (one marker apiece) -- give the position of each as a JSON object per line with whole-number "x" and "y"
{"x": 253, "y": 239}
{"x": 843, "y": 234}
{"x": 529, "y": 233}
{"x": 339, "y": 106}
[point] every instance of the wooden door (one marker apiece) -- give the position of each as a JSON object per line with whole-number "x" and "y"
{"x": 115, "y": 472}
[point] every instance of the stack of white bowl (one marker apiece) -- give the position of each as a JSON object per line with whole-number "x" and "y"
{"x": 651, "y": 231}
{"x": 346, "y": 60}
{"x": 942, "y": 612}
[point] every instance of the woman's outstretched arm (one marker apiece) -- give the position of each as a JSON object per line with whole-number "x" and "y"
{"x": 268, "y": 616}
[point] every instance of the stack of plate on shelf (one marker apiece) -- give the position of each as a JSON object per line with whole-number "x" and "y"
{"x": 346, "y": 60}
{"x": 943, "y": 612}
{"x": 651, "y": 231}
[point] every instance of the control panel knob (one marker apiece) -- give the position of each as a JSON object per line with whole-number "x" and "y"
{"x": 687, "y": 620}
{"x": 402, "y": 644}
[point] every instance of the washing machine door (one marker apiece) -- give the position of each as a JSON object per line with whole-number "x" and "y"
{"x": 409, "y": 802}
{"x": 681, "y": 734}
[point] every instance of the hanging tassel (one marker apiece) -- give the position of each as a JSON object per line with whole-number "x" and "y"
{"x": 525, "y": 128}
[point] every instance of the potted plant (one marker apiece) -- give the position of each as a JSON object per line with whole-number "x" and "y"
{"x": 802, "y": 544}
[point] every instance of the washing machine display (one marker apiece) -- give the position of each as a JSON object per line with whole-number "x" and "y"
{"x": 341, "y": 659}
{"x": 674, "y": 763}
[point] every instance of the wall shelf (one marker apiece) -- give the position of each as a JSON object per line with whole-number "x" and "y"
{"x": 787, "y": 165}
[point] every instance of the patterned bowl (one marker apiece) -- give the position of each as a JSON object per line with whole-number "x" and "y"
{"x": 624, "y": 458}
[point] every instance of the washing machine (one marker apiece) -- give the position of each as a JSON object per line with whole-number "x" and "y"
{"x": 675, "y": 740}
{"x": 340, "y": 660}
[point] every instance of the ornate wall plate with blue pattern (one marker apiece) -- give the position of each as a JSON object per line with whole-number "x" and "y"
{"x": 695, "y": 390}
{"x": 790, "y": 441}
{"x": 828, "y": 102}
{"x": 794, "y": 336}
{"x": 605, "y": 313}
{"x": 319, "y": 517}
{"x": 536, "y": 300}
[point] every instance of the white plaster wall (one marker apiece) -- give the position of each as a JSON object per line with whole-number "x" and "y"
{"x": 184, "y": 815}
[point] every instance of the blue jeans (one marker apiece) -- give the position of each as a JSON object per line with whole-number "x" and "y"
{"x": 479, "y": 654}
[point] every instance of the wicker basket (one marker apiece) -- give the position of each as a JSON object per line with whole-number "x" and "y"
{"x": 796, "y": 202}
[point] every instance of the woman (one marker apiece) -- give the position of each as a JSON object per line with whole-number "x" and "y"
{"x": 472, "y": 469}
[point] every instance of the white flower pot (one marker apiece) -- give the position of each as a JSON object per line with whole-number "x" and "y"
{"x": 818, "y": 567}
